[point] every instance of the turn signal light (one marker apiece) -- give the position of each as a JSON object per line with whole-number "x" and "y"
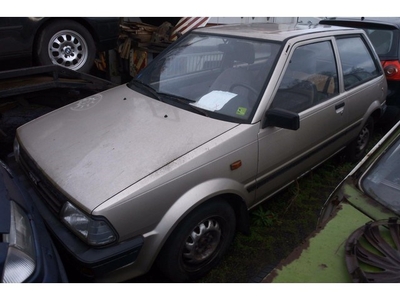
{"x": 236, "y": 165}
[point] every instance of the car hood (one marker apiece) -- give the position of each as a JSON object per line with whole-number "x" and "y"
{"x": 100, "y": 145}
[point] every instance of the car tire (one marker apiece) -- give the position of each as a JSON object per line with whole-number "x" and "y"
{"x": 357, "y": 149}
{"x": 198, "y": 243}
{"x": 66, "y": 43}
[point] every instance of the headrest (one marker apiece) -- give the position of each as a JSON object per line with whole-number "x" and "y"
{"x": 239, "y": 51}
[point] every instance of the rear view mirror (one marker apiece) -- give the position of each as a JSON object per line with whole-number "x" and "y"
{"x": 282, "y": 118}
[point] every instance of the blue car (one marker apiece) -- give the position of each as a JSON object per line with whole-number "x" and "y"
{"x": 27, "y": 254}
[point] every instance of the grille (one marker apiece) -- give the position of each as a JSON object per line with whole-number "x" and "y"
{"x": 48, "y": 192}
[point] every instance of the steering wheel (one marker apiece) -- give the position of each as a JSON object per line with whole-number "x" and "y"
{"x": 252, "y": 90}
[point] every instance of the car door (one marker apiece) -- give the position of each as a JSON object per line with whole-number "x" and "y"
{"x": 16, "y": 35}
{"x": 363, "y": 80}
{"x": 309, "y": 86}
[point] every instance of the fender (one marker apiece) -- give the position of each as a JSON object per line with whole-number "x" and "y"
{"x": 206, "y": 191}
{"x": 376, "y": 110}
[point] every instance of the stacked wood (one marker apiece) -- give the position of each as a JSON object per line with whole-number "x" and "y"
{"x": 140, "y": 32}
{"x": 137, "y": 40}
{"x": 144, "y": 35}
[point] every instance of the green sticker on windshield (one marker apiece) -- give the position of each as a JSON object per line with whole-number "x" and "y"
{"x": 241, "y": 111}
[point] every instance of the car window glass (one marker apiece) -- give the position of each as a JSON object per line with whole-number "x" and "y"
{"x": 357, "y": 62}
{"x": 218, "y": 74}
{"x": 310, "y": 78}
{"x": 382, "y": 182}
{"x": 381, "y": 39}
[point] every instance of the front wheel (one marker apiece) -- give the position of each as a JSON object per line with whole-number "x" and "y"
{"x": 66, "y": 43}
{"x": 198, "y": 243}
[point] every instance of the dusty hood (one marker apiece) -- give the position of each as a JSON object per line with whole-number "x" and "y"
{"x": 96, "y": 147}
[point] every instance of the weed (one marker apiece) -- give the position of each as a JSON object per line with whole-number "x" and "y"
{"x": 265, "y": 218}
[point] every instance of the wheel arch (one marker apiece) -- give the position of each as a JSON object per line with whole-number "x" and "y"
{"x": 375, "y": 111}
{"x": 229, "y": 191}
{"x": 376, "y": 114}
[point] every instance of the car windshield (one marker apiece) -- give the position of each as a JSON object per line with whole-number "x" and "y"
{"x": 218, "y": 76}
{"x": 382, "y": 181}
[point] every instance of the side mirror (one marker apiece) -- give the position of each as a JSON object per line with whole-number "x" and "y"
{"x": 281, "y": 118}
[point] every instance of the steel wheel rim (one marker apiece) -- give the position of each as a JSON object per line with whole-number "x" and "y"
{"x": 68, "y": 49}
{"x": 362, "y": 140}
{"x": 202, "y": 243}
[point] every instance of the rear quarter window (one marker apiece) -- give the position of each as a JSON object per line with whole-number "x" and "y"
{"x": 358, "y": 62}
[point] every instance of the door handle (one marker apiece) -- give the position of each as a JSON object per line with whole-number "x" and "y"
{"x": 339, "y": 108}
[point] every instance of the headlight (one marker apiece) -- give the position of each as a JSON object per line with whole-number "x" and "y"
{"x": 95, "y": 232}
{"x": 20, "y": 262}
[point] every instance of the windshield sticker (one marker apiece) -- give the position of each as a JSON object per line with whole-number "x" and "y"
{"x": 214, "y": 100}
{"x": 241, "y": 111}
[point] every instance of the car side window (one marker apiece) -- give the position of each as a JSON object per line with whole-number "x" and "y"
{"x": 357, "y": 61}
{"x": 310, "y": 78}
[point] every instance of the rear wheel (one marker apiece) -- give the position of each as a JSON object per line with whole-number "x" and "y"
{"x": 357, "y": 149}
{"x": 198, "y": 243}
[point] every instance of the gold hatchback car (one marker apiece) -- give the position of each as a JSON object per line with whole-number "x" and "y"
{"x": 163, "y": 170}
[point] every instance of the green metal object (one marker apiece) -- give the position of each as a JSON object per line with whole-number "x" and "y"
{"x": 321, "y": 258}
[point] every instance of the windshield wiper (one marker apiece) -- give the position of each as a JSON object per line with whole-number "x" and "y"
{"x": 136, "y": 84}
{"x": 176, "y": 98}
{"x": 187, "y": 102}
{"x": 144, "y": 87}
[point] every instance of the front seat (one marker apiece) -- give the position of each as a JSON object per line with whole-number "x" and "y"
{"x": 234, "y": 79}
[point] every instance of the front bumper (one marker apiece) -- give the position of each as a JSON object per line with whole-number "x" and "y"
{"x": 88, "y": 261}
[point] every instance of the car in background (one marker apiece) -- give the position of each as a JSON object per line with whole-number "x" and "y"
{"x": 68, "y": 42}
{"x": 358, "y": 235}
{"x": 384, "y": 34}
{"x": 163, "y": 170}
{"x": 27, "y": 253}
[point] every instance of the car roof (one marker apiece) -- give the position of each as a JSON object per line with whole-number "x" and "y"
{"x": 364, "y": 22}
{"x": 271, "y": 31}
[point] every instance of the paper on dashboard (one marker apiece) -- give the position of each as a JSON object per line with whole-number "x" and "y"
{"x": 214, "y": 100}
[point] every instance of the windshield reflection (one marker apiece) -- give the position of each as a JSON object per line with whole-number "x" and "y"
{"x": 218, "y": 74}
{"x": 382, "y": 181}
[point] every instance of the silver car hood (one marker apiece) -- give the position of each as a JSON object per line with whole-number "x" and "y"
{"x": 100, "y": 145}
